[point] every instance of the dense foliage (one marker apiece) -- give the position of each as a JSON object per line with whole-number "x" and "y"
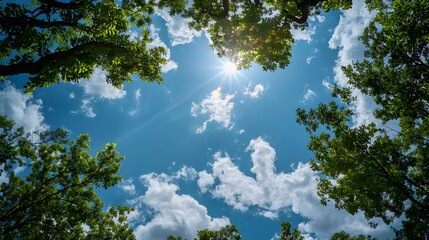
{"x": 230, "y": 232}
{"x": 373, "y": 168}
{"x": 254, "y": 31}
{"x": 56, "y": 40}
{"x": 54, "y": 197}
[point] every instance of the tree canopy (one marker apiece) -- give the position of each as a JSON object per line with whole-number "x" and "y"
{"x": 56, "y": 40}
{"x": 373, "y": 168}
{"x": 256, "y": 31}
{"x": 230, "y": 232}
{"x": 55, "y": 195}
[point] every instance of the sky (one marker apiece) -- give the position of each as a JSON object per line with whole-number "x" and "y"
{"x": 212, "y": 146}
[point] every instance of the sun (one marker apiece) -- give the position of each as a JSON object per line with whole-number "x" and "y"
{"x": 229, "y": 68}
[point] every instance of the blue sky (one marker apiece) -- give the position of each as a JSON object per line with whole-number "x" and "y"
{"x": 207, "y": 147}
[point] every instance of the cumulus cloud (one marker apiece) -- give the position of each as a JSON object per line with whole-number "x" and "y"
{"x": 171, "y": 213}
{"x": 22, "y": 108}
{"x": 178, "y": 29}
{"x": 205, "y": 180}
{"x": 346, "y": 39}
{"x": 257, "y": 90}
{"x": 271, "y": 193}
{"x": 217, "y": 107}
{"x": 96, "y": 88}
{"x": 303, "y": 35}
{"x": 308, "y": 96}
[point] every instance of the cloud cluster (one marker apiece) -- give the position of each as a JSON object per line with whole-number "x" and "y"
{"x": 22, "y": 109}
{"x": 270, "y": 193}
{"x": 170, "y": 213}
{"x": 178, "y": 29}
{"x": 96, "y": 88}
{"x": 303, "y": 35}
{"x": 217, "y": 107}
{"x": 346, "y": 38}
{"x": 257, "y": 90}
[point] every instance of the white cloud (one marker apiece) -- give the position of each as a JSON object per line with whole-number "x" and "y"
{"x": 309, "y": 59}
{"x": 71, "y": 95}
{"x": 345, "y": 37}
{"x": 157, "y": 42}
{"x": 178, "y": 29}
{"x": 217, "y": 107}
{"x": 187, "y": 173}
{"x": 96, "y": 86}
{"x": 241, "y": 131}
{"x": 128, "y": 186}
{"x": 304, "y": 35}
{"x": 205, "y": 180}
{"x": 4, "y": 176}
{"x": 87, "y": 108}
{"x": 22, "y": 109}
{"x": 319, "y": 18}
{"x": 133, "y": 112}
{"x": 255, "y": 92}
{"x": 309, "y": 95}
{"x": 172, "y": 213}
{"x": 271, "y": 193}
{"x": 138, "y": 95}
{"x": 326, "y": 84}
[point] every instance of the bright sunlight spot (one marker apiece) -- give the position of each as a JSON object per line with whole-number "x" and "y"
{"x": 229, "y": 67}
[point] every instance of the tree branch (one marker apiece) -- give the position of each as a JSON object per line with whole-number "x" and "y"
{"x": 304, "y": 7}
{"x": 62, "y": 5}
{"x": 33, "y": 22}
{"x": 58, "y": 58}
{"x": 221, "y": 15}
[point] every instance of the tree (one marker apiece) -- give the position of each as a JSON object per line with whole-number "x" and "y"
{"x": 255, "y": 31}
{"x": 55, "y": 196}
{"x": 66, "y": 40}
{"x": 230, "y": 232}
{"x": 372, "y": 168}
{"x": 345, "y": 236}
{"x": 287, "y": 234}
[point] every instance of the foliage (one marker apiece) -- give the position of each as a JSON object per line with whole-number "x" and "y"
{"x": 66, "y": 40}
{"x": 230, "y": 232}
{"x": 345, "y": 236}
{"x": 287, "y": 234}
{"x": 373, "y": 168}
{"x": 55, "y": 198}
{"x": 225, "y": 233}
{"x": 254, "y": 31}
